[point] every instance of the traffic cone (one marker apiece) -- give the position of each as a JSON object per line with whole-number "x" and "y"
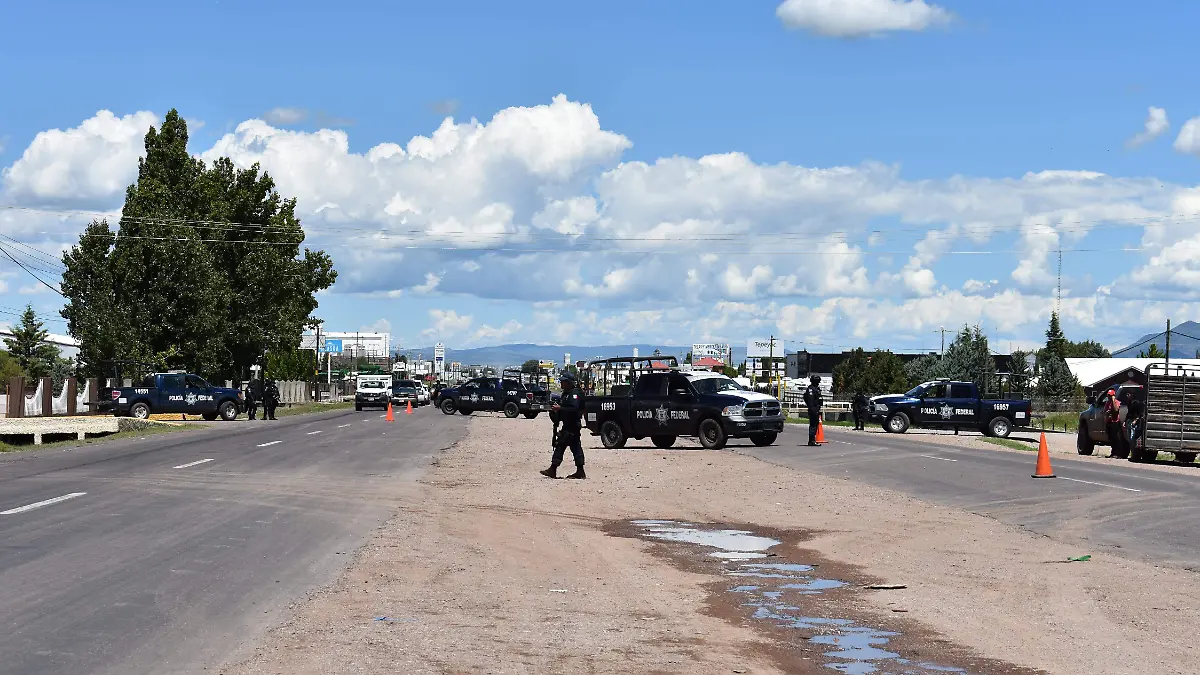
{"x": 390, "y": 417}
{"x": 820, "y": 430}
{"x": 1043, "y": 469}
{"x": 408, "y": 410}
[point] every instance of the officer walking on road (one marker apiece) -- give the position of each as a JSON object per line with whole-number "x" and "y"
{"x": 859, "y": 406}
{"x": 270, "y": 400}
{"x": 813, "y": 401}
{"x": 570, "y": 413}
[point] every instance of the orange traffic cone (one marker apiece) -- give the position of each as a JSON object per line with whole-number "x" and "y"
{"x": 390, "y": 418}
{"x": 1043, "y": 469}
{"x": 408, "y": 411}
{"x": 820, "y": 430}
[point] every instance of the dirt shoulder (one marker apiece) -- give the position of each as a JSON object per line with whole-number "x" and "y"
{"x": 495, "y": 569}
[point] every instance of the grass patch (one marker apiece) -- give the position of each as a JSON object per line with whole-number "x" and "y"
{"x": 75, "y": 443}
{"x": 1059, "y": 421}
{"x": 1010, "y": 443}
{"x": 309, "y": 408}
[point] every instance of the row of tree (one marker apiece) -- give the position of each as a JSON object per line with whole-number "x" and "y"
{"x": 970, "y": 359}
{"x": 28, "y": 353}
{"x": 205, "y": 272}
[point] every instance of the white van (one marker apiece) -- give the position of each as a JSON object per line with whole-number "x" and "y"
{"x": 372, "y": 391}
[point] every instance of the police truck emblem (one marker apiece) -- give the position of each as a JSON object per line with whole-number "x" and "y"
{"x": 947, "y": 411}
{"x": 190, "y": 399}
{"x": 661, "y": 415}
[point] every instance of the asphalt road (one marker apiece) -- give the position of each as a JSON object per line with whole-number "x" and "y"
{"x": 1123, "y": 509}
{"x": 172, "y": 553}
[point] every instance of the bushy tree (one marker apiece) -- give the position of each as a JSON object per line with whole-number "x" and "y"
{"x": 206, "y": 271}
{"x": 1022, "y": 372}
{"x": 1153, "y": 353}
{"x": 1054, "y": 379}
{"x": 1088, "y": 349}
{"x": 291, "y": 364}
{"x": 531, "y": 367}
{"x": 922, "y": 369}
{"x": 28, "y": 346}
{"x": 9, "y": 368}
{"x": 967, "y": 359}
{"x": 879, "y": 372}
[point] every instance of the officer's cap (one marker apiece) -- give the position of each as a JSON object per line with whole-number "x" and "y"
{"x": 566, "y": 377}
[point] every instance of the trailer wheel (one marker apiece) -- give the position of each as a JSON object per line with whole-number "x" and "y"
{"x": 612, "y": 435}
{"x": 1000, "y": 427}
{"x": 1084, "y": 444}
{"x": 1185, "y": 457}
{"x": 897, "y": 423}
{"x": 140, "y": 410}
{"x": 511, "y": 411}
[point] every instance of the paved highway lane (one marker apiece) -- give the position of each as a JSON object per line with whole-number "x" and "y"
{"x": 1123, "y": 509}
{"x": 171, "y": 553}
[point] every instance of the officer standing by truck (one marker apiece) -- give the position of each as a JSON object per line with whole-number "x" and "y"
{"x": 270, "y": 400}
{"x": 570, "y": 413}
{"x": 813, "y": 401}
{"x": 859, "y": 406}
{"x": 253, "y": 394}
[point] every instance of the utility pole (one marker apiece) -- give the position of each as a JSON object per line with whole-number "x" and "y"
{"x": 1058, "y": 294}
{"x": 1167, "y": 356}
{"x": 942, "y": 330}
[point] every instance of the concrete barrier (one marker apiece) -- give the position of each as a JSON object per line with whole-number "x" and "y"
{"x": 79, "y": 427}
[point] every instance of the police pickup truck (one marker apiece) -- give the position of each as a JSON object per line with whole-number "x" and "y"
{"x": 948, "y": 405}
{"x": 177, "y": 393}
{"x": 492, "y": 394}
{"x": 666, "y": 405}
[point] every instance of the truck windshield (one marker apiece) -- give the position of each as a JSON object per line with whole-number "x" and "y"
{"x": 371, "y": 385}
{"x": 916, "y": 391}
{"x": 715, "y": 385}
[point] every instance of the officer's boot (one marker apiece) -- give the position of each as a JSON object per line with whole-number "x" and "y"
{"x": 578, "y": 474}
{"x": 552, "y": 472}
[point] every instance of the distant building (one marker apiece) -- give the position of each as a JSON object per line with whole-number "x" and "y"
{"x": 1100, "y": 374}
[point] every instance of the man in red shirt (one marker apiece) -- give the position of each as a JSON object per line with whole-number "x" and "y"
{"x": 1112, "y": 426}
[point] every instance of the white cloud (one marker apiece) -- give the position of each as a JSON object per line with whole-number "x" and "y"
{"x": 1156, "y": 125}
{"x": 431, "y": 283}
{"x": 1188, "y": 140}
{"x": 90, "y": 164}
{"x": 380, "y": 326}
{"x": 488, "y": 334}
{"x": 285, "y": 116}
{"x": 859, "y": 18}
{"x": 446, "y": 323}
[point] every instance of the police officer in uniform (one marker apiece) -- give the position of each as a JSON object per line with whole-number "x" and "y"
{"x": 270, "y": 400}
{"x": 813, "y": 401}
{"x": 570, "y": 413}
{"x": 253, "y": 395}
{"x": 859, "y": 405}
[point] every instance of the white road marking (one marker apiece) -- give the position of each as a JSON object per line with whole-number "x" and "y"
{"x": 1100, "y": 484}
{"x": 343, "y": 426}
{"x": 38, "y": 505}
{"x": 184, "y": 466}
{"x": 263, "y": 445}
{"x": 944, "y": 459}
{"x": 313, "y": 433}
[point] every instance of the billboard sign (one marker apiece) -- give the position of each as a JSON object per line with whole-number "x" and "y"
{"x": 761, "y": 349}
{"x": 334, "y": 346}
{"x": 720, "y": 352}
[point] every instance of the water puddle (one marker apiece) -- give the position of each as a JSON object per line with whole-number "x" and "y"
{"x": 849, "y": 647}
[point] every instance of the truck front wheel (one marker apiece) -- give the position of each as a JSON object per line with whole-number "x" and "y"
{"x": 712, "y": 436}
{"x": 140, "y": 410}
{"x": 897, "y": 423}
{"x": 447, "y": 406}
{"x": 1084, "y": 444}
{"x": 228, "y": 411}
{"x": 612, "y": 435}
{"x": 663, "y": 442}
{"x": 511, "y": 411}
{"x": 1000, "y": 427}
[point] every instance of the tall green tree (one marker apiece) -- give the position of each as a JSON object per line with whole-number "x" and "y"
{"x": 1153, "y": 353}
{"x": 967, "y": 359}
{"x": 880, "y": 372}
{"x": 9, "y": 368}
{"x": 206, "y": 271}
{"x": 29, "y": 348}
{"x": 1056, "y": 341}
{"x": 532, "y": 366}
{"x": 1021, "y": 370}
{"x": 291, "y": 364}
{"x": 1088, "y": 349}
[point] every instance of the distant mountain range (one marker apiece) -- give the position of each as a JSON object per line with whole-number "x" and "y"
{"x": 1185, "y": 342}
{"x": 516, "y": 354}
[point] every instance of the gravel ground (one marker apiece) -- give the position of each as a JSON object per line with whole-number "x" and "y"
{"x": 495, "y": 569}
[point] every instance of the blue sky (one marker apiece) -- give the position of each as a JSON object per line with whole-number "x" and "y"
{"x": 954, "y": 114}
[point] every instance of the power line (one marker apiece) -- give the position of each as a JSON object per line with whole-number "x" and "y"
{"x": 18, "y": 263}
